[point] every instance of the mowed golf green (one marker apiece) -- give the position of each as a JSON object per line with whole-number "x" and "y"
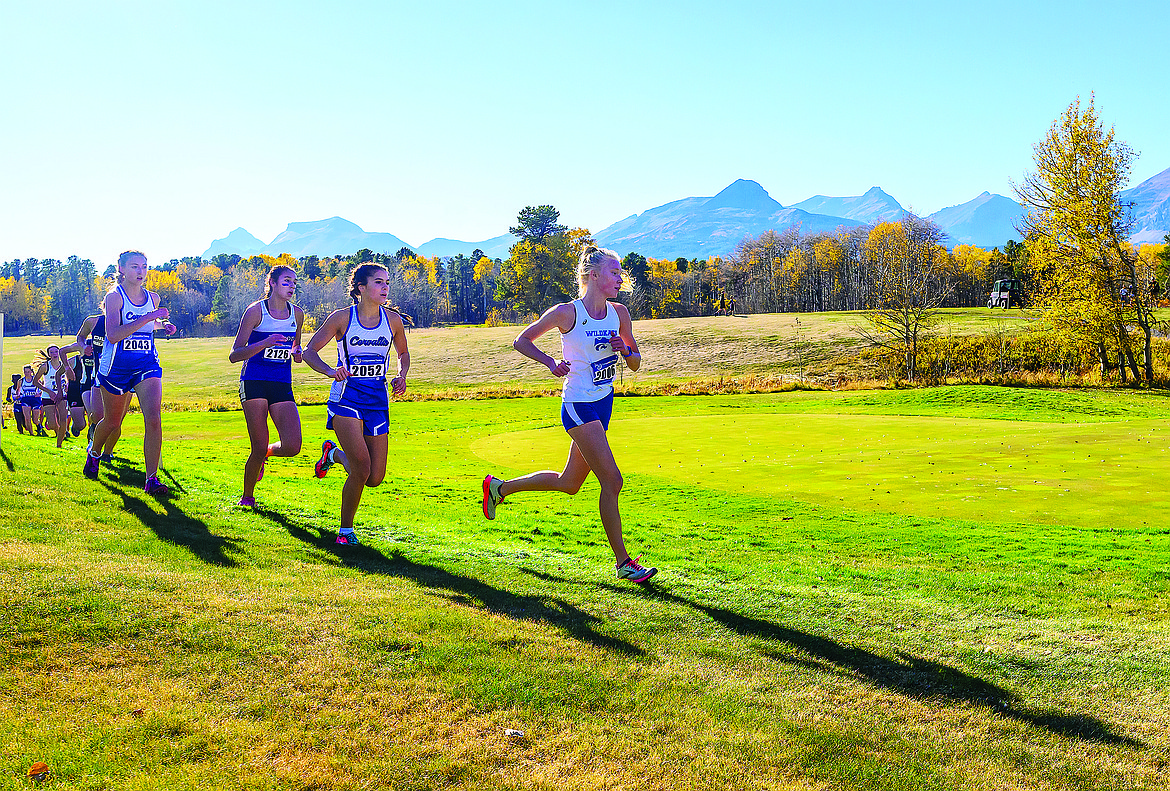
{"x": 858, "y": 590}
{"x": 970, "y": 468}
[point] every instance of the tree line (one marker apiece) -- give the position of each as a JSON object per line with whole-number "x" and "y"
{"x": 897, "y": 272}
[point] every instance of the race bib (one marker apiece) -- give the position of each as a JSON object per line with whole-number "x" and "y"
{"x": 368, "y": 371}
{"x": 605, "y": 370}
{"x": 278, "y": 354}
{"x": 98, "y": 345}
{"x": 133, "y": 344}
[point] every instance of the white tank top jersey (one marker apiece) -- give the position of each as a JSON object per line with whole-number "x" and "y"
{"x": 365, "y": 351}
{"x": 50, "y": 380}
{"x": 135, "y": 345}
{"x": 593, "y": 364}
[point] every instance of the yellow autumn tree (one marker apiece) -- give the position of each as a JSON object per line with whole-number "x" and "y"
{"x": 909, "y": 266}
{"x": 1088, "y": 282}
{"x": 23, "y": 305}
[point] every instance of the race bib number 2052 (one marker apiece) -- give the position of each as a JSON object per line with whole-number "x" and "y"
{"x": 368, "y": 371}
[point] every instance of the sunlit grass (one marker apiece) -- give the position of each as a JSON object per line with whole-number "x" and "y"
{"x": 798, "y": 635}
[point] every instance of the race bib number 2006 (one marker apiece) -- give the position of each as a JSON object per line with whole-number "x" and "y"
{"x": 605, "y": 370}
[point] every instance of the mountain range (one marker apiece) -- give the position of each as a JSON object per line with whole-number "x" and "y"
{"x": 703, "y": 226}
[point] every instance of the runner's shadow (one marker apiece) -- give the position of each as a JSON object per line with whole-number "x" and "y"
{"x": 907, "y": 675}
{"x": 458, "y": 588}
{"x": 172, "y": 526}
{"x": 7, "y": 461}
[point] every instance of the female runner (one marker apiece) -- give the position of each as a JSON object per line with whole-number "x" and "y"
{"x": 28, "y": 401}
{"x": 359, "y": 406}
{"x": 83, "y": 367}
{"x": 268, "y": 343}
{"x": 55, "y": 374}
{"x": 93, "y": 333}
{"x": 13, "y": 397}
{"x": 130, "y": 365}
{"x": 594, "y": 331}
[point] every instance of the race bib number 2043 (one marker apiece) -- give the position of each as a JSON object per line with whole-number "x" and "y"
{"x": 133, "y": 344}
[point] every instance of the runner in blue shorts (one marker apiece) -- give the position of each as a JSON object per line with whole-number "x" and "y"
{"x": 594, "y": 332}
{"x": 54, "y": 374}
{"x": 359, "y": 404}
{"x": 268, "y": 343}
{"x": 28, "y": 400}
{"x": 92, "y": 335}
{"x": 129, "y": 365}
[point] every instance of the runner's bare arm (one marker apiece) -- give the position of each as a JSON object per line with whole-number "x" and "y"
{"x": 330, "y": 330}
{"x": 624, "y": 343}
{"x": 241, "y": 349}
{"x": 561, "y": 316}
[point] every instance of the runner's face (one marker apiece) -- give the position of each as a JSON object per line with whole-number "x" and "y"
{"x": 28, "y": 373}
{"x": 377, "y": 287}
{"x": 285, "y": 286}
{"x": 133, "y": 271}
{"x": 609, "y": 278}
{"x": 54, "y": 352}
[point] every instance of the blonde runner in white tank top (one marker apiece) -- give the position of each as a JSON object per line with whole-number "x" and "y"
{"x": 593, "y": 364}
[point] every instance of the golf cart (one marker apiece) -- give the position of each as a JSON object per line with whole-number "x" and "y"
{"x": 1006, "y": 294}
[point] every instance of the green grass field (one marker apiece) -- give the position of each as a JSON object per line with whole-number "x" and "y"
{"x": 954, "y": 588}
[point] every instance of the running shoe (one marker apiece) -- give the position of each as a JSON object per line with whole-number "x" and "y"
{"x": 90, "y": 470}
{"x": 348, "y": 538}
{"x": 634, "y": 571}
{"x": 324, "y": 463}
{"x": 260, "y": 476}
{"x": 41, "y": 432}
{"x": 491, "y": 496}
{"x": 156, "y": 487}
{"x": 247, "y": 502}
{"x": 106, "y": 457}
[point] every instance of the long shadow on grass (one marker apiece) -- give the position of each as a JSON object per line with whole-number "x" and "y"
{"x": 907, "y": 675}
{"x": 7, "y": 461}
{"x": 172, "y": 526}
{"x": 466, "y": 590}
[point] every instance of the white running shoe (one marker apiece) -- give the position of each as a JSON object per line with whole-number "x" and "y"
{"x": 634, "y": 571}
{"x": 491, "y": 496}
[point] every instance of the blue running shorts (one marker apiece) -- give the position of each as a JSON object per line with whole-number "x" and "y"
{"x": 578, "y": 413}
{"x": 375, "y": 422}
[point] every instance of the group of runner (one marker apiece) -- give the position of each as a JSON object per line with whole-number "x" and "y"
{"x": 52, "y": 392}
{"x": 596, "y": 340}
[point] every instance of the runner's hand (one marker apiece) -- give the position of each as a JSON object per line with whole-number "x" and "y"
{"x": 560, "y": 369}
{"x": 398, "y": 384}
{"x": 618, "y": 345}
{"x": 340, "y": 373}
{"x": 170, "y": 328}
{"x": 275, "y": 340}
{"x": 162, "y": 314}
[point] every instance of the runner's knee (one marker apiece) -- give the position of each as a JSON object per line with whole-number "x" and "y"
{"x": 612, "y": 482}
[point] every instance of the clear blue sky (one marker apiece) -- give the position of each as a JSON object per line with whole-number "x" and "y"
{"x": 162, "y": 125}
